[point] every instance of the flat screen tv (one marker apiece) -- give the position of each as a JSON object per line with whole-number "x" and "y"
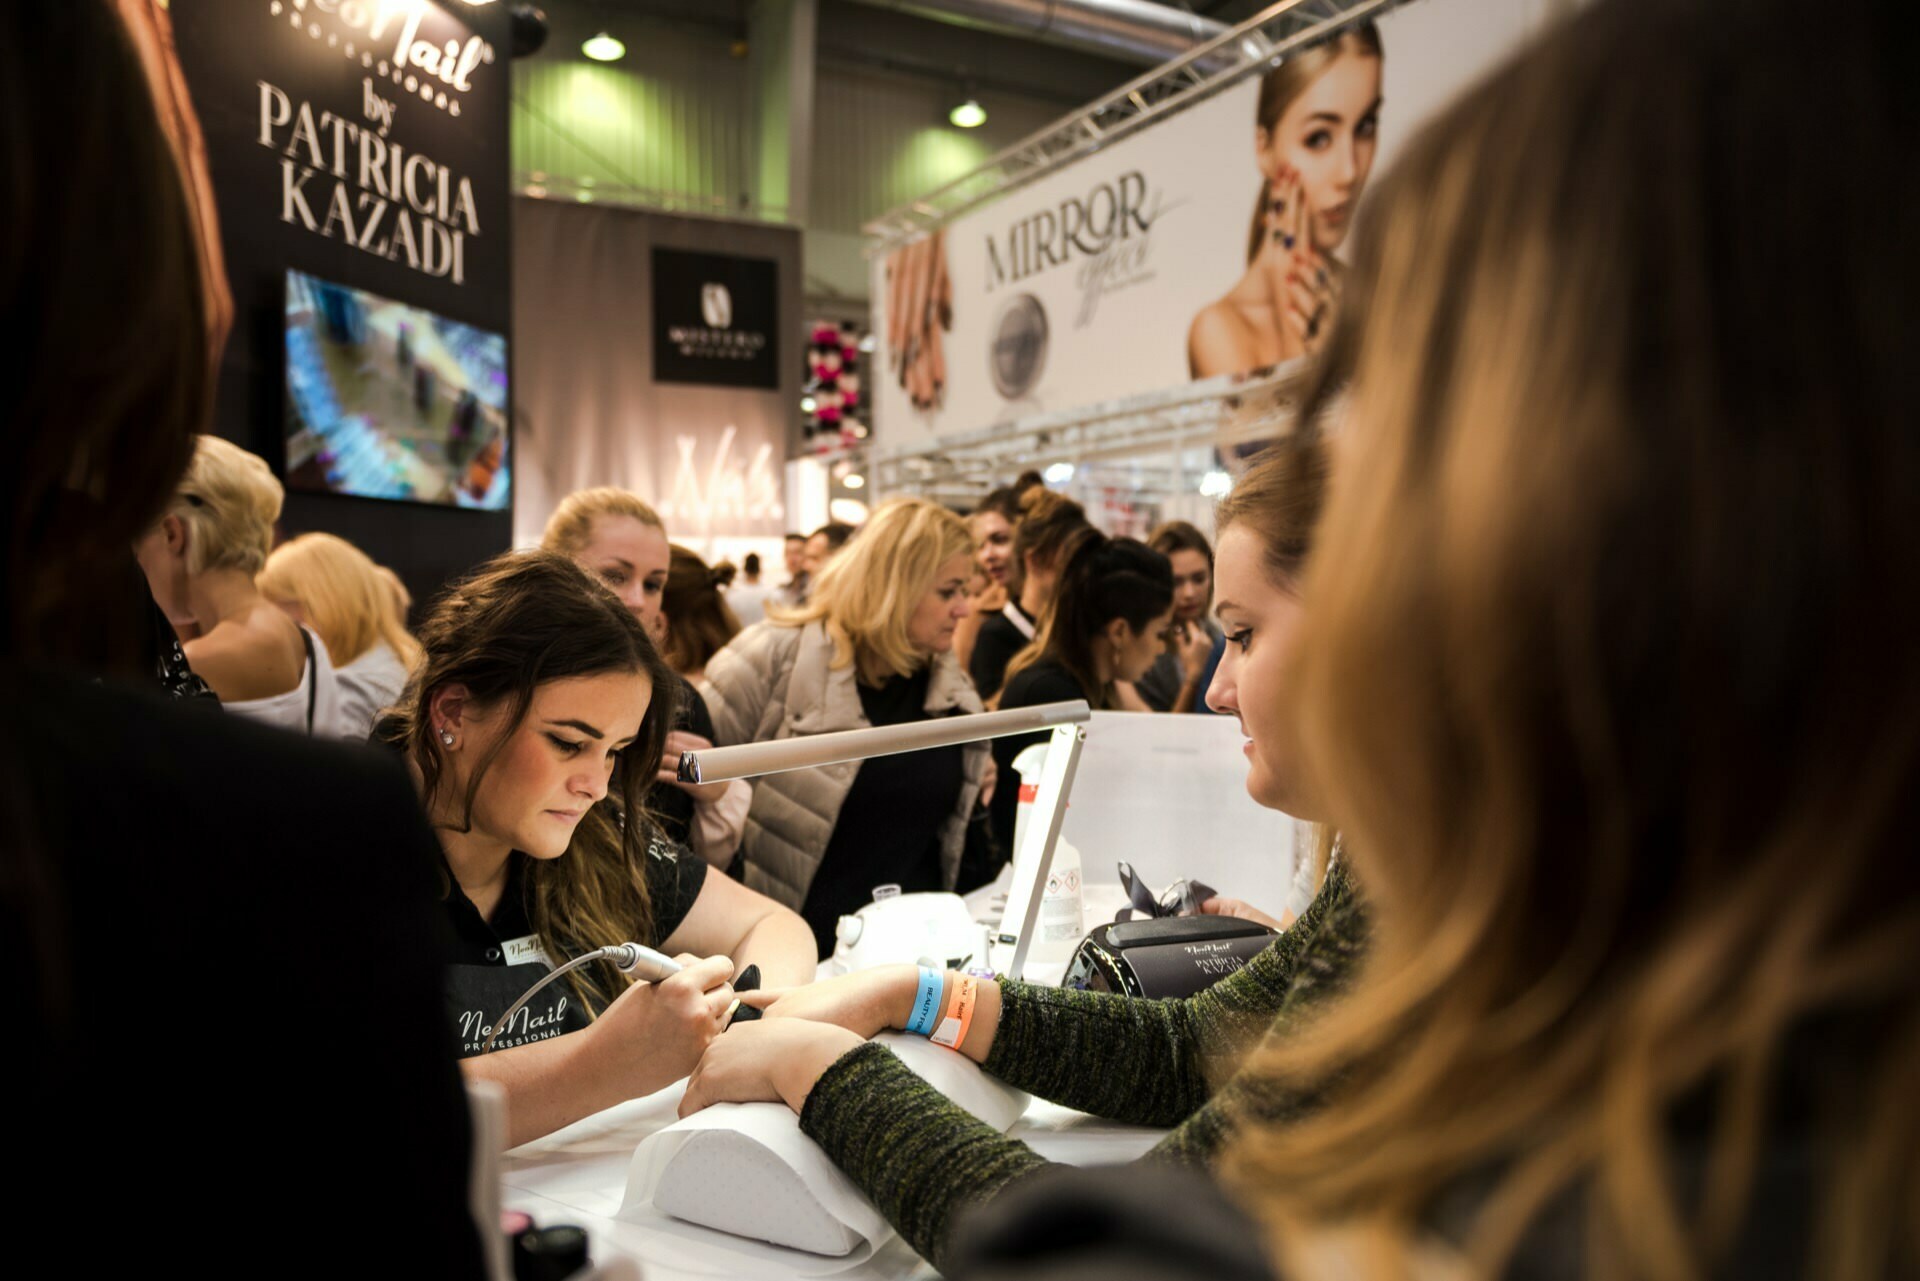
{"x": 390, "y": 401}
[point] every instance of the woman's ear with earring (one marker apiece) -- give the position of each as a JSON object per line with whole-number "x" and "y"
{"x": 446, "y": 709}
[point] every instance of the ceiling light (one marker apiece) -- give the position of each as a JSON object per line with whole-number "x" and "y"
{"x": 1058, "y": 474}
{"x": 604, "y": 48}
{"x": 869, "y": 343}
{"x": 808, "y": 404}
{"x": 855, "y": 481}
{"x": 1216, "y": 484}
{"x": 968, "y": 115}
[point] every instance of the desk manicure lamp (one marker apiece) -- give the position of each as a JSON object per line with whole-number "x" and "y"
{"x": 1033, "y": 856}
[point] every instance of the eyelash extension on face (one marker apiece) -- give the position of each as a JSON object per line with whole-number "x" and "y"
{"x": 1240, "y": 638}
{"x": 567, "y": 747}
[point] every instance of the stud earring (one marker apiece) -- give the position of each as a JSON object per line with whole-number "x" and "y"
{"x": 446, "y": 736}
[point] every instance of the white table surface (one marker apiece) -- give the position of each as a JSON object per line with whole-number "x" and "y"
{"x": 578, "y": 1175}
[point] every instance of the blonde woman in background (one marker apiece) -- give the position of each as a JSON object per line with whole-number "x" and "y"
{"x": 328, "y": 584}
{"x": 200, "y": 561}
{"x": 873, "y": 646}
{"x": 615, "y": 536}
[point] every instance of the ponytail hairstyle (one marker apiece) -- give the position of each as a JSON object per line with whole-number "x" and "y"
{"x": 1280, "y": 86}
{"x": 520, "y": 621}
{"x": 1049, "y": 527}
{"x": 1107, "y": 578}
{"x": 699, "y": 620}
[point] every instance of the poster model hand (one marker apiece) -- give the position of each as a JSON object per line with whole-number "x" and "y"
{"x": 1287, "y": 239}
{"x": 1312, "y": 299}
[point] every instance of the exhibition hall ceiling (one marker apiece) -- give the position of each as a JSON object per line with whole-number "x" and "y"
{"x": 860, "y": 36}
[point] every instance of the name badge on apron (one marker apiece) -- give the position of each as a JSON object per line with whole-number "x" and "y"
{"x": 526, "y": 951}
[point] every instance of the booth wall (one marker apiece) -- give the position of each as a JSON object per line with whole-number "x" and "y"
{"x": 592, "y": 410}
{"x": 258, "y": 71}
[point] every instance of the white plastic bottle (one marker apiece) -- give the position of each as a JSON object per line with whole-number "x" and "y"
{"x": 1060, "y": 927}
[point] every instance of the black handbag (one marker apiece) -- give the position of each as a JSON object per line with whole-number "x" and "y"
{"x": 1168, "y": 956}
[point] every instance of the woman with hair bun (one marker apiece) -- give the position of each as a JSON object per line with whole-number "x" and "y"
{"x": 200, "y": 560}
{"x": 696, "y": 616}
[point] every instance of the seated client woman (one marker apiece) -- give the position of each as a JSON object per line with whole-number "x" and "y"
{"x": 871, "y": 647}
{"x": 533, "y": 727}
{"x": 1166, "y": 1063}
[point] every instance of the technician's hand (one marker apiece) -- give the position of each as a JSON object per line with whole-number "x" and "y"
{"x": 865, "y": 1004}
{"x": 1246, "y": 912}
{"x": 680, "y": 741}
{"x": 766, "y": 1062}
{"x": 653, "y": 1033}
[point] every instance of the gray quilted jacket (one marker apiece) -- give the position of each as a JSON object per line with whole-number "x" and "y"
{"x": 774, "y": 682}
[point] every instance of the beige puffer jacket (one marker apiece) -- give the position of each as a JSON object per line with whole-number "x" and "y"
{"x": 774, "y": 682}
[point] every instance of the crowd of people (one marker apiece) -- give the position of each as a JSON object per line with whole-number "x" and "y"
{"x": 1575, "y": 612}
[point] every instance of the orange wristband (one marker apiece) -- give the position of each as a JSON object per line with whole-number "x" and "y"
{"x": 953, "y": 1028}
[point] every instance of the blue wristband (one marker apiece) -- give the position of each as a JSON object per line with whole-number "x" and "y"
{"x": 926, "y": 1003}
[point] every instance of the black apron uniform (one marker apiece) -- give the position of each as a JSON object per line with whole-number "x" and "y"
{"x": 491, "y": 962}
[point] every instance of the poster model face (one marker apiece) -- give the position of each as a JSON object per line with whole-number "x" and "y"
{"x": 1211, "y": 243}
{"x": 390, "y": 401}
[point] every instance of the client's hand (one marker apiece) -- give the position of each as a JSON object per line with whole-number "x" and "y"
{"x": 766, "y": 1062}
{"x": 653, "y": 1033}
{"x": 1246, "y": 912}
{"x": 866, "y": 1003}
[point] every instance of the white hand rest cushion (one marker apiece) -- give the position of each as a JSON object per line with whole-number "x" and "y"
{"x": 746, "y": 1169}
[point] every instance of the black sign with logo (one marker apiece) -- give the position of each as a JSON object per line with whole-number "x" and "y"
{"x": 715, "y": 319}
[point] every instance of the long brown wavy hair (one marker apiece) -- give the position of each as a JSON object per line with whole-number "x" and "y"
{"x": 107, "y": 372}
{"x": 519, "y": 622}
{"x": 1608, "y": 670}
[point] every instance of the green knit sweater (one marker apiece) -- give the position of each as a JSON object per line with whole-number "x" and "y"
{"x": 1172, "y": 1063}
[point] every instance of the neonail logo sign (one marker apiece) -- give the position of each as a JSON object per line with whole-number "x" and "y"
{"x": 422, "y": 51}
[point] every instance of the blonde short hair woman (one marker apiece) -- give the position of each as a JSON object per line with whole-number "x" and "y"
{"x": 200, "y": 560}
{"x": 872, "y": 646}
{"x": 326, "y": 583}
